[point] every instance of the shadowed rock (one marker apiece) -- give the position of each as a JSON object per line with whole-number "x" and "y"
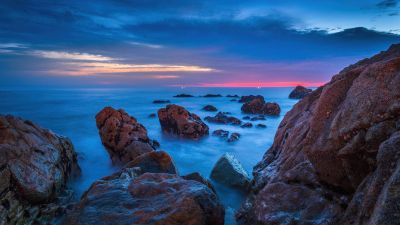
{"x": 154, "y": 162}
{"x": 259, "y": 106}
{"x": 221, "y": 133}
{"x": 122, "y": 135}
{"x": 183, "y": 96}
{"x": 222, "y": 118}
{"x": 234, "y": 137}
{"x": 212, "y": 96}
{"x": 197, "y": 177}
{"x": 249, "y": 98}
{"x": 258, "y": 117}
{"x": 210, "y": 108}
{"x": 335, "y": 157}
{"x": 247, "y": 125}
{"x": 230, "y": 172}
{"x": 177, "y": 120}
{"x": 299, "y": 92}
{"x": 35, "y": 165}
{"x": 152, "y": 115}
{"x": 260, "y": 125}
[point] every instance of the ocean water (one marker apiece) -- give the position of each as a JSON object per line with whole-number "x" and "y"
{"x": 71, "y": 112}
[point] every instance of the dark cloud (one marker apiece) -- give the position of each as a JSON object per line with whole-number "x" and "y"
{"x": 387, "y": 4}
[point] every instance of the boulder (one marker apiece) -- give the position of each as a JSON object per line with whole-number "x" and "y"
{"x": 154, "y": 162}
{"x": 122, "y": 135}
{"x": 177, "y": 120}
{"x": 183, "y": 96}
{"x": 35, "y": 165}
{"x": 260, "y": 125}
{"x": 212, "y": 96}
{"x": 259, "y": 106}
{"x": 152, "y": 115}
{"x": 151, "y": 198}
{"x": 197, "y": 177}
{"x": 335, "y": 157}
{"x": 229, "y": 171}
{"x": 210, "y": 108}
{"x": 249, "y": 98}
{"x": 221, "y": 133}
{"x": 234, "y": 137}
{"x": 161, "y": 101}
{"x": 222, "y": 118}
{"x": 299, "y": 92}
{"x": 247, "y": 125}
{"x": 258, "y": 117}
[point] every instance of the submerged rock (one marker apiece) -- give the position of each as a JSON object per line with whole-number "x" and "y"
{"x": 222, "y": 118}
{"x": 230, "y": 172}
{"x": 35, "y": 165}
{"x": 258, "y": 117}
{"x": 152, "y": 115}
{"x": 259, "y": 106}
{"x": 154, "y": 162}
{"x": 177, "y": 120}
{"x": 212, "y": 96}
{"x": 299, "y": 92}
{"x": 335, "y": 157}
{"x": 247, "y": 125}
{"x": 260, "y": 125}
{"x": 152, "y": 198}
{"x": 234, "y": 137}
{"x": 246, "y": 118}
{"x": 210, "y": 108}
{"x": 161, "y": 101}
{"x": 122, "y": 135}
{"x": 183, "y": 96}
{"x": 221, "y": 133}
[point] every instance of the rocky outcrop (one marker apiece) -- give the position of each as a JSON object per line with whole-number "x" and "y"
{"x": 221, "y": 133}
{"x": 212, "y": 96}
{"x": 260, "y": 125}
{"x": 122, "y": 135}
{"x": 151, "y": 198}
{"x": 247, "y": 125}
{"x": 249, "y": 98}
{"x": 230, "y": 172}
{"x": 183, "y": 96}
{"x": 197, "y": 177}
{"x": 154, "y": 162}
{"x": 222, "y": 118}
{"x": 335, "y": 157}
{"x": 299, "y": 92}
{"x": 161, "y": 101}
{"x": 259, "y": 106}
{"x": 258, "y": 117}
{"x": 177, "y": 120}
{"x": 234, "y": 137}
{"x": 210, "y": 108}
{"x": 35, "y": 165}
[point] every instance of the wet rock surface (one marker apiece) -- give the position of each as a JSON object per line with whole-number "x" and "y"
{"x": 177, "y": 120}
{"x": 154, "y": 162}
{"x": 210, "y": 108}
{"x": 122, "y": 135}
{"x": 221, "y": 133}
{"x": 299, "y": 92}
{"x": 197, "y": 177}
{"x": 35, "y": 165}
{"x": 222, "y": 118}
{"x": 247, "y": 125}
{"x": 183, "y": 96}
{"x": 335, "y": 157}
{"x": 229, "y": 171}
{"x": 150, "y": 198}
{"x": 258, "y": 117}
{"x": 234, "y": 137}
{"x": 259, "y": 106}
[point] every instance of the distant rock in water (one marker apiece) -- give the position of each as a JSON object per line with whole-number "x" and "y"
{"x": 35, "y": 165}
{"x": 249, "y": 98}
{"x": 299, "y": 92}
{"x": 161, "y": 101}
{"x": 221, "y": 133}
{"x": 234, "y": 137}
{"x": 260, "y": 125}
{"x": 336, "y": 155}
{"x": 154, "y": 162}
{"x": 212, "y": 96}
{"x": 151, "y": 198}
{"x": 183, "y": 96}
{"x": 247, "y": 125}
{"x": 258, "y": 117}
{"x": 177, "y": 120}
{"x": 232, "y": 96}
{"x": 246, "y": 118}
{"x": 152, "y": 115}
{"x": 222, "y": 118}
{"x": 230, "y": 172}
{"x": 259, "y": 106}
{"x": 210, "y": 108}
{"x": 122, "y": 135}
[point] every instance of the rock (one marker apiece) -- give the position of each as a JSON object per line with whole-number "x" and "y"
{"x": 122, "y": 135}
{"x": 247, "y": 125}
{"x": 335, "y": 157}
{"x": 221, "y": 133}
{"x": 249, "y": 98}
{"x": 299, "y": 92}
{"x": 154, "y": 162}
{"x": 233, "y": 100}
{"x": 258, "y": 117}
{"x": 259, "y": 106}
{"x": 161, "y": 101}
{"x": 212, "y": 96}
{"x": 229, "y": 171}
{"x": 232, "y": 96}
{"x": 260, "y": 125}
{"x": 222, "y": 118}
{"x": 35, "y": 165}
{"x": 183, "y": 96}
{"x": 197, "y": 177}
{"x": 234, "y": 137}
{"x": 246, "y": 118}
{"x": 210, "y": 108}
{"x": 151, "y": 198}
{"x": 152, "y": 115}
{"x": 177, "y": 120}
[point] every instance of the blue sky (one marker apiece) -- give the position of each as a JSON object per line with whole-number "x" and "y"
{"x": 186, "y": 42}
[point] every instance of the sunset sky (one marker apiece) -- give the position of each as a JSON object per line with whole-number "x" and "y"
{"x": 218, "y": 43}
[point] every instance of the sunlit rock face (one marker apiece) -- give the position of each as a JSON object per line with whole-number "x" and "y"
{"x": 122, "y": 135}
{"x": 335, "y": 157}
{"x": 35, "y": 165}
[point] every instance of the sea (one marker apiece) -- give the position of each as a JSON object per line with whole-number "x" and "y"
{"x": 71, "y": 113}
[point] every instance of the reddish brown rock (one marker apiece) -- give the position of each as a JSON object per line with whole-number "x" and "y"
{"x": 335, "y": 157}
{"x": 299, "y": 92}
{"x": 122, "y": 135}
{"x": 259, "y": 106}
{"x": 151, "y": 198}
{"x": 177, "y": 120}
{"x": 154, "y": 162}
{"x": 222, "y": 118}
{"x": 35, "y": 165}
{"x": 249, "y": 98}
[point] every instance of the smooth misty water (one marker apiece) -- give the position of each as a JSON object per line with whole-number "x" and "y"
{"x": 71, "y": 113}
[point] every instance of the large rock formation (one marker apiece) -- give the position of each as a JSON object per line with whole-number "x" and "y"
{"x": 335, "y": 157}
{"x": 177, "y": 120}
{"x": 35, "y": 165}
{"x": 259, "y": 106}
{"x": 154, "y": 162}
{"x": 152, "y": 198}
{"x": 122, "y": 135}
{"x": 299, "y": 92}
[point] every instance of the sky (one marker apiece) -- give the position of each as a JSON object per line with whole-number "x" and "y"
{"x": 219, "y": 43}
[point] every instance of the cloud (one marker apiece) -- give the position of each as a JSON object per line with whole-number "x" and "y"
{"x": 70, "y": 55}
{"x": 387, "y": 4}
{"x": 147, "y": 45}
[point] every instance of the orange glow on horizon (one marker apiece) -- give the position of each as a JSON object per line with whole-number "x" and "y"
{"x": 262, "y": 84}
